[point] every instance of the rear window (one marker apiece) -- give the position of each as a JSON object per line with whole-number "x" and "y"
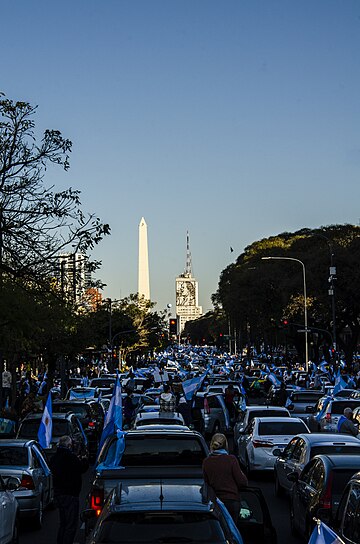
{"x": 268, "y": 413}
{"x": 29, "y": 429}
{"x": 80, "y": 410}
{"x": 13, "y": 456}
{"x": 282, "y": 428}
{"x": 331, "y": 450}
{"x": 339, "y": 407}
{"x": 157, "y": 451}
{"x": 146, "y": 527}
{"x": 99, "y": 382}
{"x": 306, "y": 397}
{"x": 341, "y": 478}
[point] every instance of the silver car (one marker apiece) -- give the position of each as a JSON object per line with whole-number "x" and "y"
{"x": 209, "y": 414}
{"x": 9, "y": 510}
{"x": 304, "y": 447}
{"x": 24, "y": 459}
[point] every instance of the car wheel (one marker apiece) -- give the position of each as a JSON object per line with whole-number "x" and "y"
{"x": 293, "y": 528}
{"x": 279, "y": 490}
{"x": 248, "y": 466}
{"x": 38, "y": 519}
{"x": 15, "y": 535}
{"x": 216, "y": 428}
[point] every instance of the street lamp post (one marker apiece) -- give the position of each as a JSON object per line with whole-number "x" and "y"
{"x": 305, "y": 302}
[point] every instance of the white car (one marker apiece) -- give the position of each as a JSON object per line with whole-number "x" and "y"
{"x": 158, "y": 418}
{"x": 258, "y": 410}
{"x": 265, "y": 438}
{"x": 9, "y": 510}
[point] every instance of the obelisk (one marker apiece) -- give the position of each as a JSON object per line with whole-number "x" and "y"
{"x": 143, "y": 272}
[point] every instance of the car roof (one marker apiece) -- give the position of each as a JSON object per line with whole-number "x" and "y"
{"x": 57, "y": 415}
{"x": 172, "y": 431}
{"x": 162, "y": 427}
{"x": 265, "y": 407}
{"x": 19, "y": 442}
{"x": 340, "y": 460}
{"x": 329, "y": 438}
{"x": 274, "y": 419}
{"x": 184, "y": 497}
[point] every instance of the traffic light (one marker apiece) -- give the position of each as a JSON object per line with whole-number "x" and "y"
{"x": 173, "y": 325}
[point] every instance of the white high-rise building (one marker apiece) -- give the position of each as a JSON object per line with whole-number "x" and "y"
{"x": 143, "y": 271}
{"x": 74, "y": 275}
{"x": 187, "y": 293}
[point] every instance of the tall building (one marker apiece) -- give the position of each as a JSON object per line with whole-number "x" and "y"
{"x": 143, "y": 270}
{"x": 187, "y": 293}
{"x": 74, "y": 275}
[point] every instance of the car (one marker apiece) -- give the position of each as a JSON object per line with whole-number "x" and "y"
{"x": 209, "y": 414}
{"x": 328, "y": 421}
{"x": 264, "y": 438}
{"x": 91, "y": 415}
{"x": 9, "y": 511}
{"x": 157, "y": 418}
{"x": 219, "y": 388}
{"x": 304, "y": 447}
{"x": 256, "y": 410}
{"x": 303, "y": 402}
{"x": 24, "y": 459}
{"x": 347, "y": 519}
{"x": 163, "y": 512}
{"x": 316, "y": 493}
{"x": 82, "y": 393}
{"x": 62, "y": 424}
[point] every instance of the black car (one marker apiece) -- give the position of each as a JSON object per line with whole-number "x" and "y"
{"x": 347, "y": 521}
{"x": 316, "y": 493}
{"x": 91, "y": 415}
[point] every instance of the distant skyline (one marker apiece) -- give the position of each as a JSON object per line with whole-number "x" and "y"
{"x": 234, "y": 120}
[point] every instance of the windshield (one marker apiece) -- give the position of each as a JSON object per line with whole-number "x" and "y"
{"x": 79, "y": 409}
{"x": 282, "y": 428}
{"x": 339, "y": 407}
{"x": 161, "y": 527}
{"x": 16, "y": 456}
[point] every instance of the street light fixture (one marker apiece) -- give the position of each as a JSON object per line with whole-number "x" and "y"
{"x": 305, "y": 302}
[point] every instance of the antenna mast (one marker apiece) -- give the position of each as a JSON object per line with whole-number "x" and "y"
{"x": 188, "y": 268}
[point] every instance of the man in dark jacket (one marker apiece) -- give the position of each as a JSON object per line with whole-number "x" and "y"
{"x": 67, "y": 470}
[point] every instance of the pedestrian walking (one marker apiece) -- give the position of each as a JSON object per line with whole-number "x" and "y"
{"x": 67, "y": 469}
{"x": 222, "y": 473}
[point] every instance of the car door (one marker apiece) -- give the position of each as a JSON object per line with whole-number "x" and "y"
{"x": 7, "y": 513}
{"x": 43, "y": 474}
{"x": 243, "y": 440}
{"x": 301, "y": 494}
{"x": 350, "y": 527}
{"x": 284, "y": 463}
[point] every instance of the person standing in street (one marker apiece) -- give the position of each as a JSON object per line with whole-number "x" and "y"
{"x": 6, "y": 386}
{"x": 222, "y": 473}
{"x": 67, "y": 471}
{"x": 346, "y": 424}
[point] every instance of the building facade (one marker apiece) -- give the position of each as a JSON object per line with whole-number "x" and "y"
{"x": 74, "y": 276}
{"x": 187, "y": 293}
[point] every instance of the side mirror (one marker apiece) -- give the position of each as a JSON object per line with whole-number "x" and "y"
{"x": 277, "y": 452}
{"x": 12, "y": 483}
{"x": 310, "y": 410}
{"x": 293, "y": 477}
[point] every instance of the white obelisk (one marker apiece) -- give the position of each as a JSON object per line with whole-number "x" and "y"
{"x": 143, "y": 276}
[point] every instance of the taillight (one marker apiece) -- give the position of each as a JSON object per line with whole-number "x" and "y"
{"x": 262, "y": 444}
{"x": 97, "y": 500}
{"x": 206, "y": 406}
{"x": 27, "y": 482}
{"x": 328, "y": 416}
{"x": 91, "y": 424}
{"x": 325, "y": 499}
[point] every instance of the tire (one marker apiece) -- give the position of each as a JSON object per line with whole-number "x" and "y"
{"x": 38, "y": 519}
{"x": 15, "y": 535}
{"x": 293, "y": 529}
{"x": 216, "y": 428}
{"x": 279, "y": 490}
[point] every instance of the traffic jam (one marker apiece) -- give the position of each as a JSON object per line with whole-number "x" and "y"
{"x": 193, "y": 446}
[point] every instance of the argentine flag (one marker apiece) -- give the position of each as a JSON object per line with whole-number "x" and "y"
{"x": 45, "y": 429}
{"x": 322, "y": 534}
{"x": 113, "y": 419}
{"x": 191, "y": 386}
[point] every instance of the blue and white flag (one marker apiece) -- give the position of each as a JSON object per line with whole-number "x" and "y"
{"x": 322, "y": 534}
{"x": 45, "y": 429}
{"x": 113, "y": 420}
{"x": 288, "y": 402}
{"x": 191, "y": 386}
{"x": 274, "y": 379}
{"x": 340, "y": 384}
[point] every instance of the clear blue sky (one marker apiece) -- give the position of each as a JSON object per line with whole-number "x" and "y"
{"x": 232, "y": 119}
